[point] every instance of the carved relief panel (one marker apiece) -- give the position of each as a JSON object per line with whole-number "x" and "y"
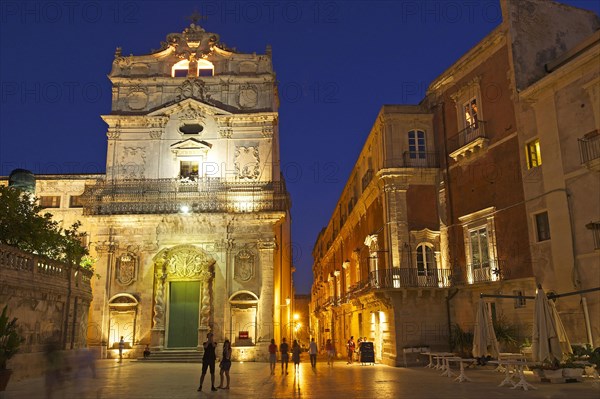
{"x": 132, "y": 162}
{"x": 247, "y": 162}
{"x": 127, "y": 268}
{"x": 244, "y": 265}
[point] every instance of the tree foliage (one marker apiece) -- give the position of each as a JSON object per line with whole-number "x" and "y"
{"x": 23, "y": 225}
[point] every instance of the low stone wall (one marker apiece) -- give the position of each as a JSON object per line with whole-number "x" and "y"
{"x": 50, "y": 300}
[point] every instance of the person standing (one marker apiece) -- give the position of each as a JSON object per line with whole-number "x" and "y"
{"x": 296, "y": 355}
{"x": 225, "y": 364}
{"x": 121, "y": 347}
{"x": 208, "y": 360}
{"x": 351, "y": 346}
{"x": 285, "y": 358}
{"x": 330, "y": 352}
{"x": 273, "y": 356}
{"x": 312, "y": 352}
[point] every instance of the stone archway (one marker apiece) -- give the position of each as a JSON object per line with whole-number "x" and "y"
{"x": 179, "y": 264}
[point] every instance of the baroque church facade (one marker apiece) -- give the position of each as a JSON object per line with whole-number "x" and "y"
{"x": 190, "y": 226}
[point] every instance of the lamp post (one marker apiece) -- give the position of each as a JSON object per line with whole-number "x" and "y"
{"x": 295, "y": 324}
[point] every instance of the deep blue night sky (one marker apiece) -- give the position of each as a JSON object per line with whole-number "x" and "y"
{"x": 337, "y": 63}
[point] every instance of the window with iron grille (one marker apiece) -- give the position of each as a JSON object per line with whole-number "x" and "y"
{"x": 50, "y": 201}
{"x": 534, "y": 156}
{"x": 519, "y": 302}
{"x": 542, "y": 226}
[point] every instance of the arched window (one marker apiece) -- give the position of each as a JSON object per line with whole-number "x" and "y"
{"x": 180, "y": 69}
{"x": 425, "y": 260}
{"x": 416, "y": 144}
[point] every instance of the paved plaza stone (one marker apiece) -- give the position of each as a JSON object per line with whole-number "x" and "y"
{"x": 135, "y": 379}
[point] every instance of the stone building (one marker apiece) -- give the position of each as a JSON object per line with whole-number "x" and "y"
{"x": 559, "y": 121}
{"x": 190, "y": 225}
{"x": 429, "y": 237}
{"x": 379, "y": 256}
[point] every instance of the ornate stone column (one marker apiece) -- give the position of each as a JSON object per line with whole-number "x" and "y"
{"x": 158, "y": 328}
{"x": 266, "y": 249}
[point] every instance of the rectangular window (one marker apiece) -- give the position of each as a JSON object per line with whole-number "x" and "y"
{"x": 50, "y": 201}
{"x": 519, "y": 302}
{"x": 534, "y": 157}
{"x": 595, "y": 227}
{"x": 416, "y": 144}
{"x": 542, "y": 226}
{"x": 480, "y": 257}
{"x": 75, "y": 201}
{"x": 188, "y": 169}
{"x": 471, "y": 111}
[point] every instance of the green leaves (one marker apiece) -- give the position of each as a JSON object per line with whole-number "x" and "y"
{"x": 10, "y": 339}
{"x": 23, "y": 225}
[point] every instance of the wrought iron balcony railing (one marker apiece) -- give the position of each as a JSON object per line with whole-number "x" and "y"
{"x": 468, "y": 135}
{"x": 402, "y": 278}
{"x": 159, "y": 196}
{"x": 491, "y": 270}
{"x": 589, "y": 148}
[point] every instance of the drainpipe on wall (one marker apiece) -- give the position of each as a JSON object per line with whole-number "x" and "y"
{"x": 576, "y": 276}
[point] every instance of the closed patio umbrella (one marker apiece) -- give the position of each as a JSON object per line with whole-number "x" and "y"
{"x": 550, "y": 342}
{"x": 484, "y": 337}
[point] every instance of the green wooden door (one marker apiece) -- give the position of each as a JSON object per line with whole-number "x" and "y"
{"x": 183, "y": 314}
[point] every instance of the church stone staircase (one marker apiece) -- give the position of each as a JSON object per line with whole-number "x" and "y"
{"x": 175, "y": 356}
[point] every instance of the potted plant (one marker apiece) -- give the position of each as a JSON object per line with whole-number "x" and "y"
{"x": 10, "y": 340}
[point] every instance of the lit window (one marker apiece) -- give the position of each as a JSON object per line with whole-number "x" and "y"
{"x": 180, "y": 69}
{"x": 471, "y": 112}
{"x": 50, "y": 201}
{"x": 425, "y": 260}
{"x": 534, "y": 157}
{"x": 188, "y": 169}
{"x": 416, "y": 144}
{"x": 480, "y": 257}
{"x": 542, "y": 226}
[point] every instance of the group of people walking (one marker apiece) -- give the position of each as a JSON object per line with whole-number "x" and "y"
{"x": 209, "y": 358}
{"x": 284, "y": 350}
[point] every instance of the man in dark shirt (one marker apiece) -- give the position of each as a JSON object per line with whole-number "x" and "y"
{"x": 208, "y": 360}
{"x": 285, "y": 357}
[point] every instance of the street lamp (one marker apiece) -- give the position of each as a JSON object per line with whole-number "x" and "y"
{"x": 295, "y": 324}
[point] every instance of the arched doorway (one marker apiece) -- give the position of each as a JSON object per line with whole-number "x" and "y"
{"x": 244, "y": 311}
{"x": 183, "y": 278}
{"x": 123, "y": 310}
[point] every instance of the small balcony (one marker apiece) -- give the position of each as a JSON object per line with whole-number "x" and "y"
{"x": 468, "y": 141}
{"x": 589, "y": 150}
{"x": 409, "y": 278}
{"x": 482, "y": 272}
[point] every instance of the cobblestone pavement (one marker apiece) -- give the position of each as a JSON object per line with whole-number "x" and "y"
{"x": 132, "y": 379}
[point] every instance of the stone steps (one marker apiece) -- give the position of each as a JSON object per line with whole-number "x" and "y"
{"x": 174, "y": 356}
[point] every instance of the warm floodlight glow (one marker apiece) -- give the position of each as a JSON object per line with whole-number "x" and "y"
{"x": 185, "y": 209}
{"x": 296, "y": 316}
{"x": 205, "y": 68}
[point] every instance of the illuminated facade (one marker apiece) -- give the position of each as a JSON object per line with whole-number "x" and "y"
{"x": 480, "y": 191}
{"x": 190, "y": 224}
